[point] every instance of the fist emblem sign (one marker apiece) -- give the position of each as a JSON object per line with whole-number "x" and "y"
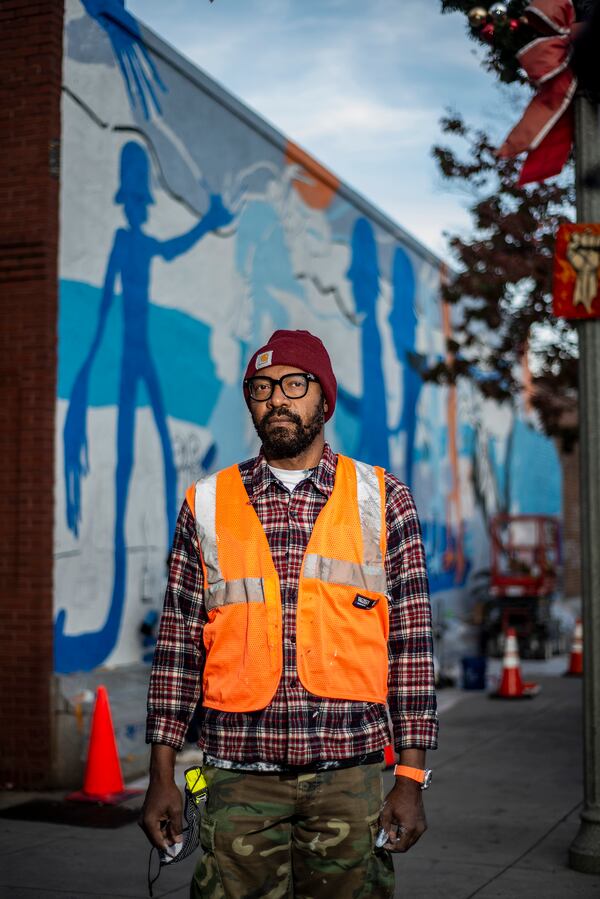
{"x": 583, "y": 253}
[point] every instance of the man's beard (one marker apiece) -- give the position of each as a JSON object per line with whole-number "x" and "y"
{"x": 286, "y": 442}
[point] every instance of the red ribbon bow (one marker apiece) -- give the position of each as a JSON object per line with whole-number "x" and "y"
{"x": 546, "y": 127}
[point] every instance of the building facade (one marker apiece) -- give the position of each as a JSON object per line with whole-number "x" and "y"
{"x": 176, "y": 230}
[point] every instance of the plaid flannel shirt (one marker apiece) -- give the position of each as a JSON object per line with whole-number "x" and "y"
{"x": 297, "y": 728}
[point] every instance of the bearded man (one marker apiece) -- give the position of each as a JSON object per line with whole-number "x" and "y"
{"x": 297, "y": 613}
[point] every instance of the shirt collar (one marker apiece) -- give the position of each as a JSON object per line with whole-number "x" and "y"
{"x": 322, "y": 477}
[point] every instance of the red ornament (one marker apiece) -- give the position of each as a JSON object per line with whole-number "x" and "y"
{"x": 513, "y": 24}
{"x": 487, "y": 33}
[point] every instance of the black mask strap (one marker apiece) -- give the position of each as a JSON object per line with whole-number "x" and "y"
{"x": 152, "y": 880}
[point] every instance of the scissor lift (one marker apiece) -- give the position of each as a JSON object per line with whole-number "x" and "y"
{"x": 525, "y": 564}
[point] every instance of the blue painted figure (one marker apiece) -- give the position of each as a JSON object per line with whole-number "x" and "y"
{"x": 130, "y": 259}
{"x": 364, "y": 277}
{"x": 140, "y": 75}
{"x": 403, "y": 322}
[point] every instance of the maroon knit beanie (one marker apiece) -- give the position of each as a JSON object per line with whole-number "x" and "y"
{"x": 299, "y": 348}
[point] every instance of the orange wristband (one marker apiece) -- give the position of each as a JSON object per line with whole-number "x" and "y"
{"x": 417, "y": 774}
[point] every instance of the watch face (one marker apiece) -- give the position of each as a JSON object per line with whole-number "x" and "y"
{"x": 427, "y": 779}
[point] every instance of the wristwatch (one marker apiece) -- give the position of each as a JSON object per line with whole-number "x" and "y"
{"x": 422, "y": 776}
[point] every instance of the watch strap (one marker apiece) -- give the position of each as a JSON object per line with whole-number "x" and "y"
{"x": 417, "y": 774}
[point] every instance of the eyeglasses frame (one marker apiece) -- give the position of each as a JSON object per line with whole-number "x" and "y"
{"x": 277, "y": 383}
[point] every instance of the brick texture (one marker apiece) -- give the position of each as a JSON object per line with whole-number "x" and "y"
{"x": 30, "y": 89}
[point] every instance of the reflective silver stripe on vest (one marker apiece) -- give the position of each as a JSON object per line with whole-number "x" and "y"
{"x": 217, "y": 591}
{"x": 249, "y": 589}
{"x": 349, "y": 574}
{"x": 369, "y": 510}
{"x": 205, "y": 510}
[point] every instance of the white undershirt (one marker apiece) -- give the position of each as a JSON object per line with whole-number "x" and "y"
{"x": 290, "y": 478}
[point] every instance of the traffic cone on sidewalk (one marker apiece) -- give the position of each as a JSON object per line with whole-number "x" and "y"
{"x": 511, "y": 685}
{"x": 575, "y": 668}
{"x": 103, "y": 781}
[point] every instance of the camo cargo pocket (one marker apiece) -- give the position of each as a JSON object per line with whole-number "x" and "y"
{"x": 206, "y": 882}
{"x": 379, "y": 880}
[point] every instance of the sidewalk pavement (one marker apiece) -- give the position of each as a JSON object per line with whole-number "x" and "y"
{"x": 503, "y": 808}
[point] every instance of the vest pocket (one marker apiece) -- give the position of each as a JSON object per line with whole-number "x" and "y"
{"x": 342, "y": 644}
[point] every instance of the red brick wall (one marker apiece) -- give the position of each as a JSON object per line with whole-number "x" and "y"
{"x": 30, "y": 81}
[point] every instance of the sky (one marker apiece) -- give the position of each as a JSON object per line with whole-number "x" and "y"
{"x": 360, "y": 84}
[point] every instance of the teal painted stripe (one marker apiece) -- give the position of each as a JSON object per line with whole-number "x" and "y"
{"x": 179, "y": 348}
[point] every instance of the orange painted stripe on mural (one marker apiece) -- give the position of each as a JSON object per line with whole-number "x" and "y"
{"x": 454, "y": 494}
{"x": 318, "y": 185}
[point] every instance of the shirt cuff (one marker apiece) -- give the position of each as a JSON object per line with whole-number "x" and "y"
{"x": 165, "y": 730}
{"x": 416, "y": 731}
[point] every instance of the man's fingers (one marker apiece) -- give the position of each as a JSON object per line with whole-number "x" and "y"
{"x": 399, "y": 838}
{"x": 161, "y": 818}
{"x": 402, "y": 838}
{"x": 398, "y": 834}
{"x": 162, "y": 829}
{"x": 173, "y": 832}
{"x": 154, "y": 830}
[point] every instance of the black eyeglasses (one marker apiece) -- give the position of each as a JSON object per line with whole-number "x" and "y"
{"x": 294, "y": 386}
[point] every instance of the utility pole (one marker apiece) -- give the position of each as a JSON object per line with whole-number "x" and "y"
{"x": 584, "y": 853}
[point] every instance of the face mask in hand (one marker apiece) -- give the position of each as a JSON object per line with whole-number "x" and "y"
{"x": 196, "y": 792}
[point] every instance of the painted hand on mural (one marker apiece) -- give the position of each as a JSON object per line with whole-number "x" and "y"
{"x": 583, "y": 253}
{"x": 217, "y": 216}
{"x": 140, "y": 75}
{"x": 133, "y": 251}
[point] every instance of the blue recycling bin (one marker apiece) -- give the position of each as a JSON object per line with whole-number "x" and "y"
{"x": 474, "y": 668}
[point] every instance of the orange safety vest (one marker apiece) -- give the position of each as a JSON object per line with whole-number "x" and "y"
{"x": 342, "y": 615}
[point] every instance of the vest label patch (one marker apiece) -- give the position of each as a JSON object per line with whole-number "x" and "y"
{"x": 363, "y": 602}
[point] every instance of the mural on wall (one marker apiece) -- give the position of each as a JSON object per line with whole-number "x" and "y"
{"x": 130, "y": 260}
{"x": 189, "y": 232}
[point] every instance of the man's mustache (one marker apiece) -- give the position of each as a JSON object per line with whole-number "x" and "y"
{"x": 279, "y": 416}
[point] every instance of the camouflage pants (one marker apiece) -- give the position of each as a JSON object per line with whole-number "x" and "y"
{"x": 310, "y": 836}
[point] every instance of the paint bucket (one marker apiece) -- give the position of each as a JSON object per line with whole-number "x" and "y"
{"x": 474, "y": 668}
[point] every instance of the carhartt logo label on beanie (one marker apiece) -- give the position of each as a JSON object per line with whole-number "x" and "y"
{"x": 264, "y": 359}
{"x": 302, "y": 350}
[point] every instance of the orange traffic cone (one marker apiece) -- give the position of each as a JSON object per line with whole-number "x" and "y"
{"x": 389, "y": 756}
{"x": 511, "y": 685}
{"x": 103, "y": 780}
{"x": 576, "y": 663}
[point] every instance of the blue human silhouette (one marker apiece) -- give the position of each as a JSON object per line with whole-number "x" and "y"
{"x": 139, "y": 72}
{"x": 403, "y": 322}
{"x": 364, "y": 277}
{"x": 130, "y": 259}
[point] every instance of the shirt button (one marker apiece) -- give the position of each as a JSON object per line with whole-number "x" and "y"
{"x": 293, "y": 638}
{"x": 293, "y": 682}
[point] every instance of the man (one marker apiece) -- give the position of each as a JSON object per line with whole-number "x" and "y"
{"x": 297, "y": 607}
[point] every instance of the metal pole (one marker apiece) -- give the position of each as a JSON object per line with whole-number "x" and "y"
{"x": 584, "y": 853}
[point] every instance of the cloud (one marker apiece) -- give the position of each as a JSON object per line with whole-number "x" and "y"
{"x": 361, "y": 84}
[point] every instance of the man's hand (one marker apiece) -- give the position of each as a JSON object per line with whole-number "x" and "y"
{"x": 161, "y": 818}
{"x": 403, "y": 815}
